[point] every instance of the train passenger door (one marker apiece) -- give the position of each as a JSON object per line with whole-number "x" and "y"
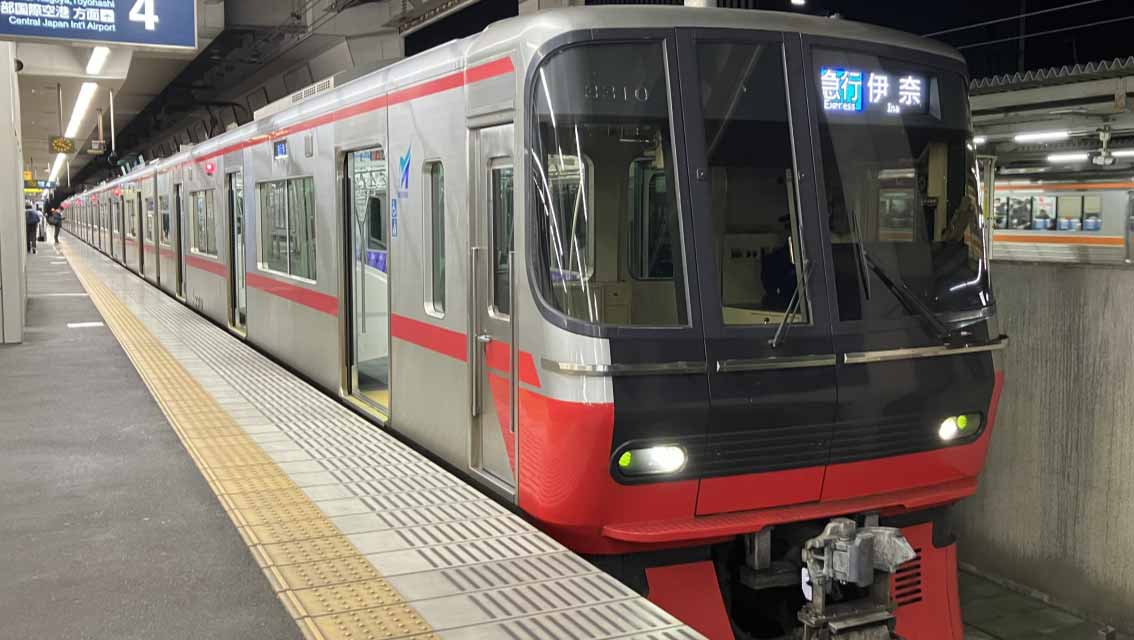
{"x": 492, "y": 253}
{"x": 237, "y": 286}
{"x": 768, "y": 341}
{"x": 179, "y": 241}
{"x": 368, "y": 228}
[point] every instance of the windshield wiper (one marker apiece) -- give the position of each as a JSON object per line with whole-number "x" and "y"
{"x": 909, "y": 299}
{"x": 792, "y": 307}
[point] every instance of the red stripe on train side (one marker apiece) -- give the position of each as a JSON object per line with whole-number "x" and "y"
{"x": 498, "y": 67}
{"x": 444, "y": 341}
{"x": 202, "y": 264}
{"x": 321, "y": 302}
{"x": 444, "y": 83}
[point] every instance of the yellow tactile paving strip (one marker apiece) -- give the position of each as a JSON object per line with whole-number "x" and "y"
{"x": 331, "y": 590}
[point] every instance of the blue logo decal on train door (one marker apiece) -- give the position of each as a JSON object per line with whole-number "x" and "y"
{"x": 404, "y": 166}
{"x": 393, "y": 217}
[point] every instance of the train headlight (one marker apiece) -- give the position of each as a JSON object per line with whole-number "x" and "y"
{"x": 652, "y": 460}
{"x": 955, "y": 427}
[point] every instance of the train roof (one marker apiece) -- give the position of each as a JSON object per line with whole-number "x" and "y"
{"x": 556, "y": 21}
{"x": 537, "y": 29}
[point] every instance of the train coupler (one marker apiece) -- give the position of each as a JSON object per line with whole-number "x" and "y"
{"x": 847, "y": 581}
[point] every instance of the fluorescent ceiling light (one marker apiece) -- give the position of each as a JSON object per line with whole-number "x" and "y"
{"x": 1068, "y": 157}
{"x": 1123, "y": 153}
{"x": 979, "y": 140}
{"x": 97, "y": 60}
{"x": 82, "y": 104}
{"x": 1041, "y": 136}
{"x": 798, "y": 3}
{"x": 55, "y": 168}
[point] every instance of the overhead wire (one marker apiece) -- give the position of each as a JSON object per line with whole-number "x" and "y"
{"x": 1027, "y": 14}
{"x": 1036, "y": 34}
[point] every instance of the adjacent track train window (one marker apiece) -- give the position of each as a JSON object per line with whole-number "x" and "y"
{"x": 435, "y": 218}
{"x": 608, "y": 245}
{"x": 755, "y": 222}
{"x": 287, "y": 226}
{"x": 204, "y": 222}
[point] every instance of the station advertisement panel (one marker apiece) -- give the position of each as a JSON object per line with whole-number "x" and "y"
{"x": 143, "y": 23}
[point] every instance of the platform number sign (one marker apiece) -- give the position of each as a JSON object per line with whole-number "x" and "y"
{"x": 143, "y": 11}
{"x": 141, "y": 23}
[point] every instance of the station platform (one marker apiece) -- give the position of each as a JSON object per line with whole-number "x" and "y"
{"x": 354, "y": 533}
{"x": 290, "y": 516}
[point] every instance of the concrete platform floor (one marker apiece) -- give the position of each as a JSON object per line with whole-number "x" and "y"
{"x": 107, "y": 529}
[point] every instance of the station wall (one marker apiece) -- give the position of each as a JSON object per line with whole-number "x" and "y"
{"x": 1053, "y": 512}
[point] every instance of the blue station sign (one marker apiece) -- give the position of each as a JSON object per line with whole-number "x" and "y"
{"x": 144, "y": 23}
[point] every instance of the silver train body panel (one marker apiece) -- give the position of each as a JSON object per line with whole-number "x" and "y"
{"x": 467, "y": 124}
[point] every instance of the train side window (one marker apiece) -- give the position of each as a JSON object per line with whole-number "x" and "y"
{"x": 301, "y": 227}
{"x": 435, "y": 219}
{"x": 754, "y": 212}
{"x": 287, "y": 226}
{"x": 204, "y": 222}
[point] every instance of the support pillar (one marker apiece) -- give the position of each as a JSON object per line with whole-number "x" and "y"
{"x": 13, "y": 250}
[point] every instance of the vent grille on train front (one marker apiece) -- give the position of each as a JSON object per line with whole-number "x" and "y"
{"x": 906, "y": 583}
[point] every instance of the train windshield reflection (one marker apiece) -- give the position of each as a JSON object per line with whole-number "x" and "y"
{"x": 901, "y": 191}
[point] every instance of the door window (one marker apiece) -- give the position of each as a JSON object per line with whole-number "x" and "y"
{"x": 435, "y": 218}
{"x": 751, "y": 171}
{"x": 204, "y": 222}
{"x": 502, "y": 205}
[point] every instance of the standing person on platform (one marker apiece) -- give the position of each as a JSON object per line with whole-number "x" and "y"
{"x": 31, "y": 220}
{"x": 55, "y": 219}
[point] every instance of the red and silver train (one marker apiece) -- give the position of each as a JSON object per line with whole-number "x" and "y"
{"x": 739, "y": 287}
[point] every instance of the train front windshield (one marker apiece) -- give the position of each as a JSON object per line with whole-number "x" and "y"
{"x": 901, "y": 189}
{"x": 898, "y": 173}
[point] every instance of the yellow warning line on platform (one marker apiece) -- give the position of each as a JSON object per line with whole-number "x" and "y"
{"x": 327, "y": 586}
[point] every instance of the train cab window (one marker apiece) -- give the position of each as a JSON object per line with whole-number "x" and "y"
{"x": 752, "y": 176}
{"x": 901, "y": 190}
{"x": 435, "y": 219}
{"x": 607, "y": 243}
{"x": 204, "y": 222}
{"x": 163, "y": 207}
{"x": 287, "y": 226}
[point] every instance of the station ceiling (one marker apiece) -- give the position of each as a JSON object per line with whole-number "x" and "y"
{"x": 252, "y": 52}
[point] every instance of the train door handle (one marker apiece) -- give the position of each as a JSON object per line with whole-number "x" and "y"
{"x": 484, "y": 338}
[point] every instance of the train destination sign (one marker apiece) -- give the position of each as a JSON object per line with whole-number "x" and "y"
{"x": 143, "y": 23}
{"x": 857, "y": 90}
